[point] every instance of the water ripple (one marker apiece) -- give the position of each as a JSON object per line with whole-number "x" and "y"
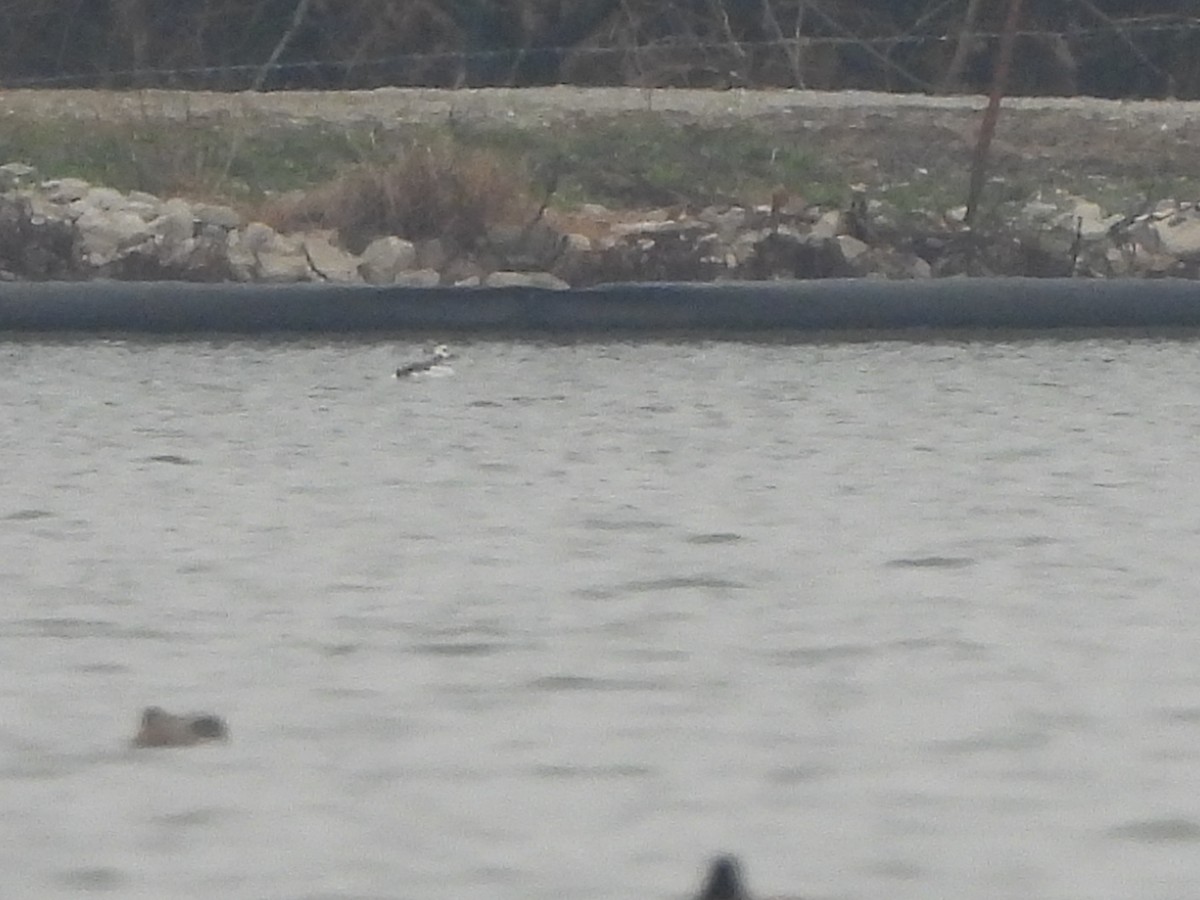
{"x": 465, "y": 648}
{"x": 1168, "y": 830}
{"x": 881, "y": 599}
{"x": 28, "y": 515}
{"x": 930, "y": 562}
{"x": 616, "y": 771}
{"x": 560, "y": 683}
{"x": 717, "y": 537}
{"x": 1008, "y": 740}
{"x": 632, "y": 525}
{"x": 816, "y": 656}
{"x": 101, "y": 878}
{"x": 73, "y": 628}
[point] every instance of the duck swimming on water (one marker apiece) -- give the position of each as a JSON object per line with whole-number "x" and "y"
{"x": 434, "y": 364}
{"x": 161, "y": 729}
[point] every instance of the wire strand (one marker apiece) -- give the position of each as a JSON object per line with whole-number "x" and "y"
{"x": 1146, "y": 25}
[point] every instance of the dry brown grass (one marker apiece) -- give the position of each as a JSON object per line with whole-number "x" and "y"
{"x": 435, "y": 190}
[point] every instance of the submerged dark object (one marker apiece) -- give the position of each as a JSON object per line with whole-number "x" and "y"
{"x": 723, "y": 881}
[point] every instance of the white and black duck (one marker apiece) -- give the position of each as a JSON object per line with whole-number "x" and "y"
{"x": 437, "y": 363}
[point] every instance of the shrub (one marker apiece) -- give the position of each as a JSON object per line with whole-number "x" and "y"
{"x": 434, "y": 190}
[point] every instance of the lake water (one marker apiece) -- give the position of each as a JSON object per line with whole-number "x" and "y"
{"x": 888, "y": 620}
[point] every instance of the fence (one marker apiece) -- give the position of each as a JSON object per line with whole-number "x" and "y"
{"x": 1132, "y": 56}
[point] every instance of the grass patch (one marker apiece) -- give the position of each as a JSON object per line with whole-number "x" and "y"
{"x": 636, "y": 160}
{"x": 641, "y": 159}
{"x": 195, "y": 157}
{"x": 627, "y": 161}
{"x": 924, "y": 195}
{"x": 480, "y": 187}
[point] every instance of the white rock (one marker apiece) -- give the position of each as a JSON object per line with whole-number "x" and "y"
{"x": 242, "y": 263}
{"x": 280, "y": 266}
{"x": 173, "y": 226}
{"x": 177, "y": 206}
{"x": 419, "y": 278}
{"x": 43, "y": 209}
{"x": 330, "y": 263}
{"x": 17, "y": 170}
{"x": 105, "y": 234}
{"x": 104, "y": 198}
{"x": 852, "y": 247}
{"x": 385, "y": 259}
{"x": 829, "y": 225}
{"x": 725, "y": 221}
{"x": 148, "y": 211}
{"x": 258, "y": 238}
{"x": 1164, "y": 208}
{"x": 525, "y": 279}
{"x": 1181, "y": 238}
{"x": 16, "y": 174}
{"x": 576, "y": 243}
{"x": 656, "y": 227}
{"x": 259, "y": 253}
{"x": 1089, "y": 219}
{"x": 65, "y": 190}
{"x": 221, "y": 216}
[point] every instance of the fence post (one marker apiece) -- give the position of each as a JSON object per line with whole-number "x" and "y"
{"x": 988, "y": 128}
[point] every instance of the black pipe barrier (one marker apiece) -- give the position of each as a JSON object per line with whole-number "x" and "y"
{"x": 649, "y": 309}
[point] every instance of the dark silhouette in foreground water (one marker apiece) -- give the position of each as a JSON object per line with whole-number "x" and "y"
{"x": 724, "y": 881}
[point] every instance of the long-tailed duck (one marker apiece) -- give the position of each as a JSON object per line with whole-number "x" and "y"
{"x": 161, "y": 729}
{"x": 434, "y": 364}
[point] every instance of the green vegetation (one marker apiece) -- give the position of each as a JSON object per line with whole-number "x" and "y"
{"x": 194, "y": 157}
{"x": 422, "y": 179}
{"x": 646, "y": 160}
{"x": 631, "y": 161}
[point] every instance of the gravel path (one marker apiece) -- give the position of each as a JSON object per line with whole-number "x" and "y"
{"x": 532, "y": 105}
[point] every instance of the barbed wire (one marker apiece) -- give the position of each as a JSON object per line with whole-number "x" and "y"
{"x": 1143, "y": 25}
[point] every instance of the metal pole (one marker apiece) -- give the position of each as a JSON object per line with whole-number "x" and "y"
{"x": 988, "y": 128}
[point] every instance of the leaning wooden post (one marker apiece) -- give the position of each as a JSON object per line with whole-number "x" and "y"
{"x": 988, "y": 128}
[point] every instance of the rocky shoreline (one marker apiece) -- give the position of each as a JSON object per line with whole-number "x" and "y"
{"x": 1089, "y": 186}
{"x": 67, "y": 229}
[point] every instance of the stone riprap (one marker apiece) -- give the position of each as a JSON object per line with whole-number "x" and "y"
{"x": 67, "y": 229}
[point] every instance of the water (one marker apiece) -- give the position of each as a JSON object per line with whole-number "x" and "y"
{"x": 888, "y": 620}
